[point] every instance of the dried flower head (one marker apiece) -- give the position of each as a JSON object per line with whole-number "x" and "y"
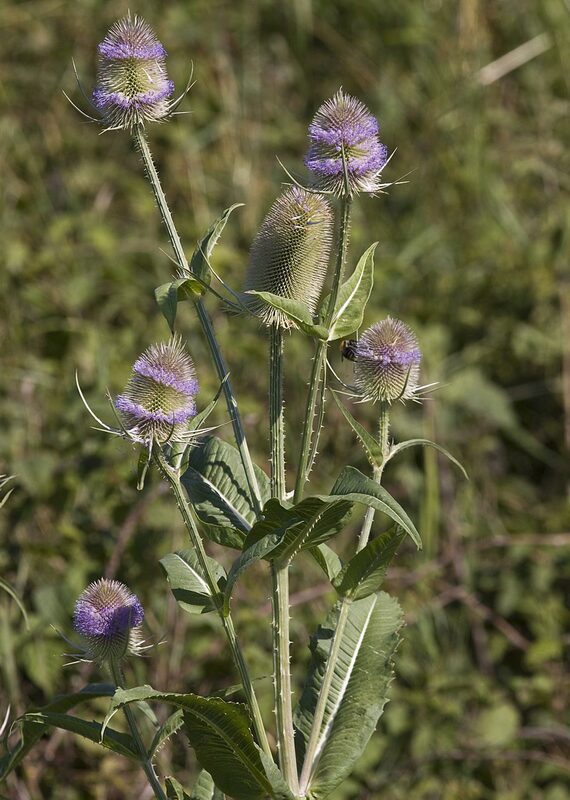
{"x": 132, "y": 83}
{"x": 290, "y": 254}
{"x": 159, "y": 400}
{"x": 106, "y": 615}
{"x": 344, "y": 125}
{"x": 387, "y": 359}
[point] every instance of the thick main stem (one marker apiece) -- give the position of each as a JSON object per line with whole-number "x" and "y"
{"x": 237, "y": 655}
{"x": 280, "y": 571}
{"x": 312, "y": 753}
{"x": 318, "y": 372}
{"x": 205, "y": 321}
{"x": 119, "y": 681}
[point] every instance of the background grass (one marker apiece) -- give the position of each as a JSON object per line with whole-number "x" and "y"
{"x": 473, "y": 254}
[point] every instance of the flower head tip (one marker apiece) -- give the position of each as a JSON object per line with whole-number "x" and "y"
{"x": 290, "y": 254}
{"x": 106, "y": 616}
{"x": 343, "y": 134}
{"x": 159, "y": 399}
{"x": 387, "y": 359}
{"x": 132, "y": 83}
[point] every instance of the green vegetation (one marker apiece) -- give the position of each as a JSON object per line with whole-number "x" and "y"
{"x": 473, "y": 253}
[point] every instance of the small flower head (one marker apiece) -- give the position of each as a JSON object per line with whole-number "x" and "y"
{"x": 290, "y": 254}
{"x": 159, "y": 399}
{"x": 344, "y": 125}
{"x": 387, "y": 360}
{"x": 107, "y": 615}
{"x": 132, "y": 83}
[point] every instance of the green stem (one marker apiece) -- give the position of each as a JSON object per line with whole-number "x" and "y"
{"x": 205, "y": 321}
{"x": 312, "y": 753}
{"x": 282, "y": 675}
{"x": 383, "y": 431}
{"x": 276, "y": 417}
{"x": 280, "y": 572}
{"x": 318, "y": 372}
{"x": 120, "y": 683}
{"x": 237, "y": 655}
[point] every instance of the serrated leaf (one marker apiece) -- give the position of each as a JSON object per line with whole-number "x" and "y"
{"x": 168, "y": 728}
{"x": 31, "y": 732}
{"x": 294, "y": 310}
{"x": 327, "y": 560}
{"x": 353, "y": 296}
{"x": 364, "y": 671}
{"x": 199, "y": 263}
{"x": 365, "y": 572}
{"x": 220, "y": 735}
{"x": 250, "y": 556}
{"x": 216, "y": 485}
{"x": 120, "y": 743}
{"x": 357, "y": 488}
{"x": 188, "y": 582}
{"x": 371, "y": 447}
{"x": 397, "y": 448}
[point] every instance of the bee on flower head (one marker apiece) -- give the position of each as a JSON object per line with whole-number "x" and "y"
{"x": 348, "y": 349}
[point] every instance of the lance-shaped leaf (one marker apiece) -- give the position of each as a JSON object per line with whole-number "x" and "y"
{"x": 365, "y": 572}
{"x": 371, "y": 447}
{"x": 327, "y": 560}
{"x": 204, "y": 789}
{"x": 216, "y": 485}
{"x": 294, "y": 310}
{"x": 168, "y": 295}
{"x": 168, "y": 728}
{"x": 358, "y": 694}
{"x": 352, "y": 297}
{"x": 188, "y": 582}
{"x": 175, "y": 790}
{"x": 32, "y": 728}
{"x": 221, "y": 737}
{"x": 397, "y": 448}
{"x": 199, "y": 263}
{"x": 283, "y": 532}
{"x": 357, "y": 488}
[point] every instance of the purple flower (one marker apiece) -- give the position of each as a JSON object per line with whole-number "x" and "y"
{"x": 344, "y": 125}
{"x": 159, "y": 399}
{"x": 132, "y": 83}
{"x": 290, "y": 254}
{"x": 106, "y": 614}
{"x": 387, "y": 360}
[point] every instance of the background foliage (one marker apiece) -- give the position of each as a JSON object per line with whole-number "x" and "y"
{"x": 473, "y": 254}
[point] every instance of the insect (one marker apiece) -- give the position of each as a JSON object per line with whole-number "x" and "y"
{"x": 348, "y": 349}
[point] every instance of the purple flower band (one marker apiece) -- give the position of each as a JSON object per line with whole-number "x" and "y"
{"x": 113, "y": 49}
{"x": 139, "y": 412}
{"x": 165, "y": 376}
{"x": 103, "y": 98}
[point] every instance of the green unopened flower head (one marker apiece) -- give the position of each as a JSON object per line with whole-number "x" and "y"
{"x": 107, "y": 616}
{"x": 290, "y": 254}
{"x": 159, "y": 399}
{"x": 387, "y": 362}
{"x": 132, "y": 83}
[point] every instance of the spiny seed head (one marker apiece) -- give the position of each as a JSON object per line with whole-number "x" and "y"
{"x": 159, "y": 398}
{"x": 344, "y": 124}
{"x": 387, "y": 359}
{"x": 132, "y": 83}
{"x": 290, "y": 254}
{"x": 106, "y": 616}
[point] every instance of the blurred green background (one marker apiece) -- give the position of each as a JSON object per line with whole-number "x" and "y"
{"x": 473, "y": 254}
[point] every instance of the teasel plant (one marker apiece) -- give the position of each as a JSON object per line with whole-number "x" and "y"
{"x": 294, "y": 284}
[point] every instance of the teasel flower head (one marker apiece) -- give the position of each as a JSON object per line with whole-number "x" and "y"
{"x": 386, "y": 362}
{"x": 132, "y": 83}
{"x": 290, "y": 254}
{"x": 344, "y": 125}
{"x": 107, "y": 616}
{"x": 158, "y": 401}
